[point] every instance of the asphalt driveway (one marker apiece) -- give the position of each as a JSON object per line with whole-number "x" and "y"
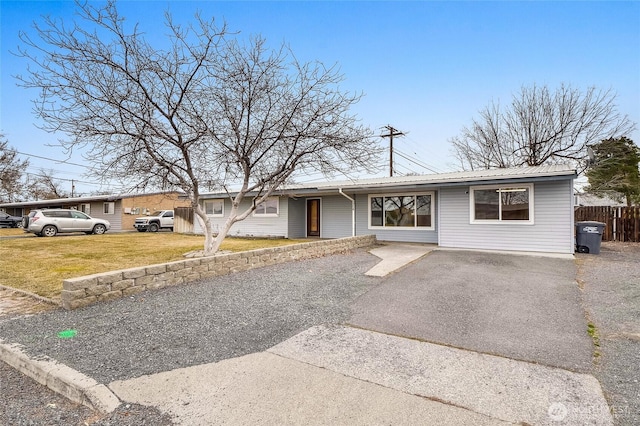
{"x": 521, "y": 307}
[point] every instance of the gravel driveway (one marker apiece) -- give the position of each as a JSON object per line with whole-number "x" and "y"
{"x": 611, "y": 283}
{"x": 26, "y": 402}
{"x": 208, "y": 321}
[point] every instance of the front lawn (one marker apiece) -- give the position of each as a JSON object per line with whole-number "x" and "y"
{"x": 39, "y": 265}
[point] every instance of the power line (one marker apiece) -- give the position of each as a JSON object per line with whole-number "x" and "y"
{"x": 392, "y": 132}
{"x": 409, "y": 171}
{"x": 37, "y": 169}
{"x": 64, "y": 179}
{"x": 73, "y": 181}
{"x": 416, "y": 162}
{"x": 425, "y": 150}
{"x": 55, "y": 161}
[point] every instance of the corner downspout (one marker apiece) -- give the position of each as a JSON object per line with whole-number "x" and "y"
{"x": 353, "y": 212}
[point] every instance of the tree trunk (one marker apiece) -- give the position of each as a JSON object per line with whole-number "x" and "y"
{"x": 205, "y": 224}
{"x": 222, "y": 233}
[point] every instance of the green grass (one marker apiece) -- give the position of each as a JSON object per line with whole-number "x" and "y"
{"x": 593, "y": 332}
{"x": 39, "y": 265}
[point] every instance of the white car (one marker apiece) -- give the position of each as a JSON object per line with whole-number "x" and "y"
{"x": 49, "y": 222}
{"x": 161, "y": 219}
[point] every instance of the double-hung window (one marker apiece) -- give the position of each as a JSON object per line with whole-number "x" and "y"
{"x": 214, "y": 207}
{"x": 85, "y": 208}
{"x": 109, "y": 207}
{"x": 402, "y": 211}
{"x": 508, "y": 204}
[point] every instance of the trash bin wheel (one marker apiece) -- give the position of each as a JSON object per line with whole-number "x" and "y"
{"x": 583, "y": 249}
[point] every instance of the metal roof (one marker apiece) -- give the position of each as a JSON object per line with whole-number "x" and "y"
{"x": 78, "y": 200}
{"x": 442, "y": 178}
{"x": 435, "y": 180}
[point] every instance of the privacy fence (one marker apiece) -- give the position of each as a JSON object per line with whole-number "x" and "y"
{"x": 183, "y": 220}
{"x": 623, "y": 223}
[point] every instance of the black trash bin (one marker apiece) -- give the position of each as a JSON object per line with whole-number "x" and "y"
{"x": 589, "y": 237}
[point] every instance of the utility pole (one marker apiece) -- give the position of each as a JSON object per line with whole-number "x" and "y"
{"x": 73, "y": 187}
{"x": 392, "y": 132}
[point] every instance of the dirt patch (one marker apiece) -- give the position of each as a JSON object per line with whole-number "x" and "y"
{"x": 621, "y": 247}
{"x": 13, "y": 303}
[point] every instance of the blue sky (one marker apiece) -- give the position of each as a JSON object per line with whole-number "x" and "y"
{"x": 425, "y": 68}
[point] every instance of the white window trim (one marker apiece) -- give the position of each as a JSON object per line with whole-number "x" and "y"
{"x": 402, "y": 228}
{"x": 111, "y": 207}
{"x": 85, "y": 208}
{"x": 276, "y": 214}
{"x": 204, "y": 206}
{"x": 472, "y": 219}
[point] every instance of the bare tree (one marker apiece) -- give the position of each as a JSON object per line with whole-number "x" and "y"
{"x": 11, "y": 172}
{"x": 43, "y": 186}
{"x": 206, "y": 112}
{"x": 540, "y": 127}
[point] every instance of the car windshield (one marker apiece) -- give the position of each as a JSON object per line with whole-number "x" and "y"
{"x": 156, "y": 213}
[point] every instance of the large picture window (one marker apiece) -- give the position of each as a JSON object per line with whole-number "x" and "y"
{"x": 268, "y": 207}
{"x": 214, "y": 207}
{"x": 402, "y": 211}
{"x": 512, "y": 204}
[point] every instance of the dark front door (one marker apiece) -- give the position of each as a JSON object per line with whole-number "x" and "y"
{"x": 313, "y": 218}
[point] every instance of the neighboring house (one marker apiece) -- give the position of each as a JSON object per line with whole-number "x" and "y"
{"x": 588, "y": 199}
{"x": 119, "y": 210}
{"x": 521, "y": 209}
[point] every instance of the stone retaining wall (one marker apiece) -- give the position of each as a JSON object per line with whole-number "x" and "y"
{"x": 87, "y": 290}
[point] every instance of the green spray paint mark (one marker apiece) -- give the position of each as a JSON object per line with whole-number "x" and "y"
{"x": 67, "y": 334}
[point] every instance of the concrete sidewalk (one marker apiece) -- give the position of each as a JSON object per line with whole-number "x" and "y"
{"x": 269, "y": 389}
{"x": 343, "y": 375}
{"x": 395, "y": 256}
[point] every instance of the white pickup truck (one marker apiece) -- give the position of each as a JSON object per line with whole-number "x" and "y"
{"x": 162, "y": 219}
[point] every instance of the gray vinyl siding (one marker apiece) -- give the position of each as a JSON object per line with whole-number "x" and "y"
{"x": 335, "y": 217}
{"x": 115, "y": 219}
{"x": 413, "y": 235}
{"x": 297, "y": 217}
{"x": 258, "y": 226}
{"x": 552, "y": 230}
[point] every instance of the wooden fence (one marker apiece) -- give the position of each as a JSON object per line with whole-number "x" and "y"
{"x": 183, "y": 220}
{"x": 623, "y": 223}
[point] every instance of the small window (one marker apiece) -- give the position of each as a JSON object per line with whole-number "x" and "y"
{"x": 268, "y": 207}
{"x": 85, "y": 208}
{"x": 109, "y": 208}
{"x": 502, "y": 204}
{"x": 214, "y": 207}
